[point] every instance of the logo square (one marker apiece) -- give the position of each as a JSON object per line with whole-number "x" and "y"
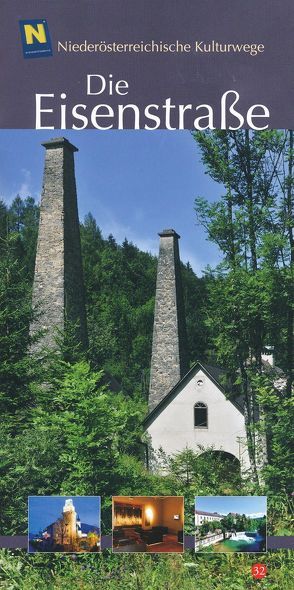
{"x": 35, "y": 37}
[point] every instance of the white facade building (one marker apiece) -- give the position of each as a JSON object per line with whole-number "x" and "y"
{"x": 196, "y": 414}
{"x": 201, "y": 516}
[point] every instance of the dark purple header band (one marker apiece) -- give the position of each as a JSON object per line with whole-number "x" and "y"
{"x": 167, "y": 54}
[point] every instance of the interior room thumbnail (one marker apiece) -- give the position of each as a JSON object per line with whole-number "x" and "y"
{"x": 152, "y": 524}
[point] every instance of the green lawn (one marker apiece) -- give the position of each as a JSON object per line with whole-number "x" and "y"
{"x": 20, "y": 571}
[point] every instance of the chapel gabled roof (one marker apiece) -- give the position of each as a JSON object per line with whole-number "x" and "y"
{"x": 215, "y": 374}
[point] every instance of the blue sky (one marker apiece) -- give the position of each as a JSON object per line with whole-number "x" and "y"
{"x": 43, "y": 510}
{"x": 135, "y": 183}
{"x": 249, "y": 505}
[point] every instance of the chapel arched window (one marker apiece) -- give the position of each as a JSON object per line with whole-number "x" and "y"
{"x": 200, "y": 415}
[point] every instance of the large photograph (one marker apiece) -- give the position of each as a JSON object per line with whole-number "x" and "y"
{"x": 146, "y": 326}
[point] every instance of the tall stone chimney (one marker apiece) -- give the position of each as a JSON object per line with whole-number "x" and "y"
{"x": 169, "y": 361}
{"x": 58, "y": 291}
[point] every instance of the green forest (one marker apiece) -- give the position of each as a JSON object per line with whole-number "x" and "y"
{"x": 81, "y": 433}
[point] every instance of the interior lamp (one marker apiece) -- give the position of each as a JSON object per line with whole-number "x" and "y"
{"x": 148, "y": 516}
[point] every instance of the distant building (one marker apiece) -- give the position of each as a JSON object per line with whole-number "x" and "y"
{"x": 201, "y": 516}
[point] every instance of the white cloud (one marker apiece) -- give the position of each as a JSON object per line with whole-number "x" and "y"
{"x": 197, "y": 265}
{"x": 25, "y": 186}
{"x": 115, "y": 228}
{"x": 109, "y": 224}
{"x": 255, "y": 515}
{"x": 121, "y": 231}
{"x": 145, "y": 244}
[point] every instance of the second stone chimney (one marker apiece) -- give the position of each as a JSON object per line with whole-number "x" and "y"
{"x": 169, "y": 361}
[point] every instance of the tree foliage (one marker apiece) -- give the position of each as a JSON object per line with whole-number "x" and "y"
{"x": 250, "y": 294}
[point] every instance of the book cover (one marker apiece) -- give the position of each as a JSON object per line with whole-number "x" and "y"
{"x": 146, "y": 294}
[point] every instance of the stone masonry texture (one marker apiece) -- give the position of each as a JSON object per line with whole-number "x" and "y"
{"x": 58, "y": 291}
{"x": 169, "y": 361}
